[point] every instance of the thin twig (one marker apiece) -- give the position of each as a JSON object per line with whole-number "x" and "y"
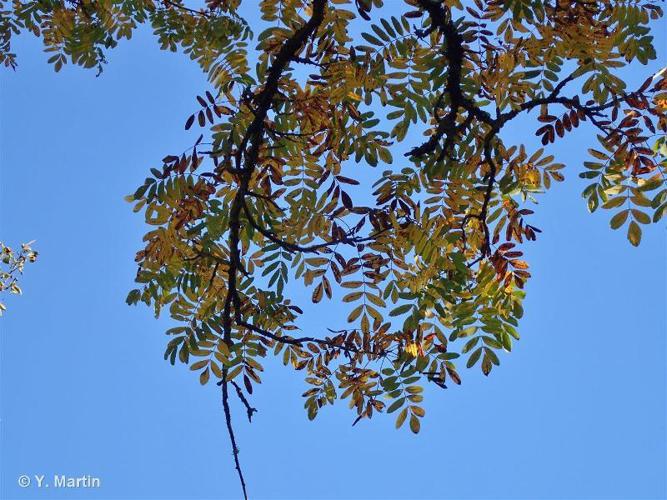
{"x": 230, "y": 430}
{"x": 249, "y": 409}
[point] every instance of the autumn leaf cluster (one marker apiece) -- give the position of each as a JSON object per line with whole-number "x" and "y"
{"x": 362, "y": 153}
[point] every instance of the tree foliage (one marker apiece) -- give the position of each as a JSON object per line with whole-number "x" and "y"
{"x": 427, "y": 256}
{"x": 11, "y": 267}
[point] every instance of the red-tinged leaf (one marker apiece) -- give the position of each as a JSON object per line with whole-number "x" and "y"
{"x": 486, "y": 365}
{"x": 566, "y": 122}
{"x": 296, "y": 309}
{"x": 453, "y": 374}
{"x": 545, "y": 139}
{"x": 512, "y": 255}
{"x": 418, "y": 410}
{"x": 645, "y": 85}
{"x": 574, "y": 118}
{"x": 546, "y": 118}
{"x": 559, "y": 129}
{"x": 346, "y": 180}
{"x": 363, "y": 14}
{"x": 182, "y": 165}
{"x": 225, "y": 110}
{"x": 649, "y": 124}
{"x": 195, "y": 161}
{"x": 414, "y": 424}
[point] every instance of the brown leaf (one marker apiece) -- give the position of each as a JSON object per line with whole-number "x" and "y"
{"x": 317, "y": 293}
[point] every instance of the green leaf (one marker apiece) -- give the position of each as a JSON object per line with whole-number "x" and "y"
{"x": 371, "y": 39}
{"x": 396, "y": 405}
{"x": 355, "y": 313}
{"x": 133, "y": 297}
{"x": 474, "y": 357}
{"x": 351, "y": 297}
{"x": 615, "y": 202}
{"x": 401, "y": 417}
{"x": 400, "y": 310}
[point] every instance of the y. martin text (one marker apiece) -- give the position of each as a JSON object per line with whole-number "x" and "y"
{"x": 86, "y": 481}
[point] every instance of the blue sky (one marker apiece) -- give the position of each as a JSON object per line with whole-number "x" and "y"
{"x": 577, "y": 410}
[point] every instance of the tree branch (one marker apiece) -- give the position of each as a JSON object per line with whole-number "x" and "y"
{"x": 187, "y": 9}
{"x": 299, "y": 341}
{"x": 454, "y": 52}
{"x": 230, "y": 430}
{"x": 253, "y": 137}
{"x": 293, "y": 247}
{"x": 249, "y": 409}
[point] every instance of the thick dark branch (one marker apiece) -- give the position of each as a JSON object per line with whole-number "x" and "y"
{"x": 441, "y": 20}
{"x": 299, "y": 341}
{"x": 493, "y": 170}
{"x": 304, "y": 60}
{"x": 593, "y": 113}
{"x": 253, "y": 138}
{"x": 537, "y": 102}
{"x": 485, "y": 250}
{"x": 287, "y": 52}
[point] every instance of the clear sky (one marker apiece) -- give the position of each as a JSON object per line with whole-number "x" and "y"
{"x": 577, "y": 410}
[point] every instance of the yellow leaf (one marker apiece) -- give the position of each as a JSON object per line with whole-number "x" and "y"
{"x": 401, "y": 417}
{"x": 634, "y": 233}
{"x": 414, "y": 424}
{"x": 204, "y": 376}
{"x": 355, "y": 313}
